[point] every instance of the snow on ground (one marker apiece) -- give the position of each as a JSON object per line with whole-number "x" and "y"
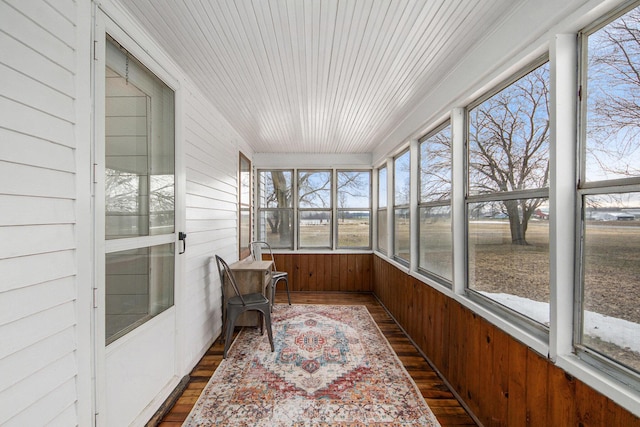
{"x": 620, "y": 332}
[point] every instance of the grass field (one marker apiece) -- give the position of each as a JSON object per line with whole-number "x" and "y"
{"x": 611, "y": 264}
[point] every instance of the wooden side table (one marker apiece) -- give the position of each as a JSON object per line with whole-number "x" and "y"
{"x": 251, "y": 276}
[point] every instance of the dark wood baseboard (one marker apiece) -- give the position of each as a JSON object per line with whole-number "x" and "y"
{"x": 169, "y": 402}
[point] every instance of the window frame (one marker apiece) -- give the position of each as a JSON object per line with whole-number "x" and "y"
{"x": 616, "y": 185}
{"x": 338, "y": 209}
{"x": 435, "y": 204}
{"x": 245, "y": 206}
{"x": 402, "y": 206}
{"x": 261, "y": 209}
{"x": 382, "y": 210}
{"x": 329, "y": 210}
{"x": 522, "y": 321}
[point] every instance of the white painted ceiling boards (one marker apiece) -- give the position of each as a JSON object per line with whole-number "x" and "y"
{"x": 317, "y": 76}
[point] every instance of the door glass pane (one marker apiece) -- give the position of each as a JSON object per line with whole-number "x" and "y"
{"x": 139, "y": 286}
{"x": 139, "y": 191}
{"x": 139, "y": 150}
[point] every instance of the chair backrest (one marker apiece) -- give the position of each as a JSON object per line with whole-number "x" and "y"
{"x": 257, "y": 249}
{"x": 225, "y": 273}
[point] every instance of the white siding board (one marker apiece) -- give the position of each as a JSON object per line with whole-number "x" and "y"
{"x": 21, "y": 210}
{"x": 66, "y": 8}
{"x": 219, "y": 214}
{"x": 203, "y": 238}
{"x": 18, "y": 366}
{"x": 43, "y": 384}
{"x": 224, "y": 189}
{"x": 32, "y": 34}
{"x": 28, "y": 331}
{"x": 38, "y": 290}
{"x": 204, "y": 225}
{"x": 29, "y": 239}
{"x": 36, "y": 123}
{"x": 21, "y": 303}
{"x": 202, "y": 190}
{"x": 45, "y": 411}
{"x": 25, "y": 90}
{"x": 27, "y": 150}
{"x": 24, "y": 180}
{"x": 20, "y": 272}
{"x": 203, "y": 250}
{"x": 66, "y": 418}
{"x": 31, "y": 63}
{"x": 203, "y": 167}
{"x": 200, "y": 116}
{"x": 197, "y": 201}
{"x": 47, "y": 17}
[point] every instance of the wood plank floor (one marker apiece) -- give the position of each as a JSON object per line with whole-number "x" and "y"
{"x": 444, "y": 405}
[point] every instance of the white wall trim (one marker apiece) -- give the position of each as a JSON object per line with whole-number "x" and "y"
{"x": 84, "y": 218}
{"x": 306, "y": 160}
{"x": 458, "y": 216}
{"x": 562, "y": 192}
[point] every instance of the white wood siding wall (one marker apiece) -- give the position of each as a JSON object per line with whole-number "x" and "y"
{"x": 39, "y": 353}
{"x": 38, "y": 330}
{"x": 211, "y": 161}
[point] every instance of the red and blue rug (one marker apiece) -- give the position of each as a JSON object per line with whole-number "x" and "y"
{"x": 331, "y": 367}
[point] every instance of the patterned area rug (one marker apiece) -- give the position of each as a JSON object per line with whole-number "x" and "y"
{"x": 331, "y": 367}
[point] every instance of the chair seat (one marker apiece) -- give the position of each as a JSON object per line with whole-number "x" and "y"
{"x": 255, "y": 298}
{"x": 276, "y": 276}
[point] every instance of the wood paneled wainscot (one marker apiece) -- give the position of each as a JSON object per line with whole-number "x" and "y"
{"x": 326, "y": 272}
{"x": 503, "y": 382}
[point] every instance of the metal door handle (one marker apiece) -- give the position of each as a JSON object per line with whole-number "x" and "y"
{"x": 183, "y": 237}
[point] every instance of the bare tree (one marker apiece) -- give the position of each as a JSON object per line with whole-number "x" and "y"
{"x": 509, "y": 146}
{"x": 435, "y": 167}
{"x": 314, "y": 189}
{"x": 279, "y": 196}
{"x": 613, "y": 97}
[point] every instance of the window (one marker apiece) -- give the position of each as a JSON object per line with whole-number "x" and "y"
{"x": 275, "y": 210}
{"x": 507, "y": 198}
{"x": 354, "y": 209}
{"x": 139, "y": 193}
{"x": 401, "y": 216}
{"x": 609, "y": 197}
{"x": 244, "y": 206}
{"x": 382, "y": 210}
{"x": 436, "y": 244}
{"x": 314, "y": 209}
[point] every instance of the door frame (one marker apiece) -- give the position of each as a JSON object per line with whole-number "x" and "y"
{"x": 111, "y": 19}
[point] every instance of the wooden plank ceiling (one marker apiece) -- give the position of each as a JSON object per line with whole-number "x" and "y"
{"x": 317, "y": 76}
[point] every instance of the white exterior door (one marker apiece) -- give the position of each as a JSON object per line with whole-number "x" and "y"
{"x": 136, "y": 237}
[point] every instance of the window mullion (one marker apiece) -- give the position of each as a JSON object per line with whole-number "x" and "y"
{"x": 562, "y": 216}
